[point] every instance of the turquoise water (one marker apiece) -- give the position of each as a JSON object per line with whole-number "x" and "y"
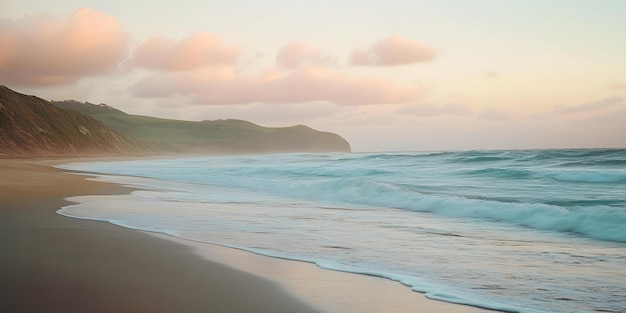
{"x": 519, "y": 231}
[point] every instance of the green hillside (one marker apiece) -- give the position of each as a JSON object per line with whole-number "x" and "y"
{"x": 219, "y": 136}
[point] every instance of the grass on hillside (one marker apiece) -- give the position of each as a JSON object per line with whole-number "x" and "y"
{"x": 173, "y": 132}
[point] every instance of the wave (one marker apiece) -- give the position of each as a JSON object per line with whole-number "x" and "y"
{"x": 577, "y": 153}
{"x": 527, "y": 187}
{"x": 565, "y": 176}
{"x": 602, "y": 222}
{"x": 592, "y": 177}
{"x": 330, "y": 172}
{"x": 617, "y": 162}
{"x": 564, "y": 157}
{"x": 477, "y": 156}
{"x": 403, "y": 155}
{"x": 506, "y": 173}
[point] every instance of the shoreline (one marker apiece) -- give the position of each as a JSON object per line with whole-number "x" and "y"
{"x": 329, "y": 290}
{"x": 52, "y": 263}
{"x": 53, "y": 258}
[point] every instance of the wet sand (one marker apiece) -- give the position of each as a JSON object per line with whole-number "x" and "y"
{"x": 54, "y": 263}
{"x": 51, "y": 263}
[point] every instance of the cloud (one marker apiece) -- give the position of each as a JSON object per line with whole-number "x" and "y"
{"x": 194, "y": 52}
{"x": 163, "y": 85}
{"x": 39, "y": 50}
{"x": 297, "y": 54}
{"x": 495, "y": 115}
{"x": 491, "y": 74}
{"x": 592, "y": 106}
{"x": 393, "y": 50}
{"x": 617, "y": 86}
{"x": 433, "y": 110}
{"x": 308, "y": 84}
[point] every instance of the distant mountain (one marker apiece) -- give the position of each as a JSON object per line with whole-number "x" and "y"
{"x": 218, "y": 137}
{"x": 32, "y": 126}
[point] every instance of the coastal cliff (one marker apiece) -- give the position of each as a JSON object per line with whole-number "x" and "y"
{"x": 35, "y": 127}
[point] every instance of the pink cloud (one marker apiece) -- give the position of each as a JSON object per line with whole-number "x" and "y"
{"x": 308, "y": 84}
{"x": 433, "y": 110}
{"x": 594, "y": 106}
{"x": 39, "y": 50}
{"x": 296, "y": 54}
{"x": 617, "y": 86}
{"x": 194, "y": 52}
{"x": 393, "y": 50}
{"x": 495, "y": 115}
{"x": 164, "y": 85}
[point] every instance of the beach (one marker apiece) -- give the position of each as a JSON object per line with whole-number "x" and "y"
{"x": 58, "y": 264}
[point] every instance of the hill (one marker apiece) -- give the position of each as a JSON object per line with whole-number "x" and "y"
{"x": 32, "y": 126}
{"x": 219, "y": 136}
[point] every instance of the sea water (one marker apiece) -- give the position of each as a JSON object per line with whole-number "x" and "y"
{"x": 518, "y": 231}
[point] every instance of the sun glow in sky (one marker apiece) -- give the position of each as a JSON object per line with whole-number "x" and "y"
{"x": 386, "y": 75}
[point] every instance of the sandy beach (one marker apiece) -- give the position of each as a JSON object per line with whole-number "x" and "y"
{"x": 54, "y": 263}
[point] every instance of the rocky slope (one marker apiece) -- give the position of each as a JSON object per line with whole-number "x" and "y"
{"x": 30, "y": 126}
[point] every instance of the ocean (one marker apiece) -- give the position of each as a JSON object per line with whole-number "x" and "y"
{"x": 518, "y": 231}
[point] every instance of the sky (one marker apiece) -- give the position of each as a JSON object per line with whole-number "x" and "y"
{"x": 402, "y": 75}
